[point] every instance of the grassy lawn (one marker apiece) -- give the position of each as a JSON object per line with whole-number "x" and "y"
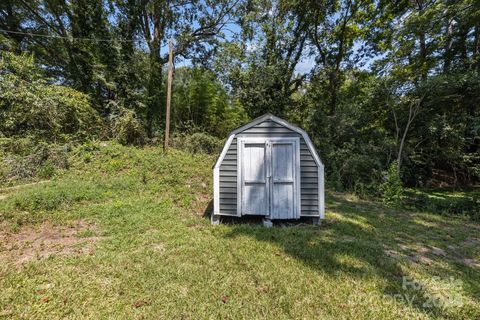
{"x": 122, "y": 234}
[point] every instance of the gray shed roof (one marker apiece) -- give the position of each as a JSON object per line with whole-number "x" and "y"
{"x": 273, "y": 118}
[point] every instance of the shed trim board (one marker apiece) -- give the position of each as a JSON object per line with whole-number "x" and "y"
{"x": 257, "y": 121}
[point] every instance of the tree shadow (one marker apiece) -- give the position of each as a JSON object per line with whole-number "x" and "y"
{"x": 208, "y": 210}
{"x": 378, "y": 236}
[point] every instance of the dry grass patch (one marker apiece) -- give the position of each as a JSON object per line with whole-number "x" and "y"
{"x": 46, "y": 239}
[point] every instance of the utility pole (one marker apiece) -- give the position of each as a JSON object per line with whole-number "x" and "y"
{"x": 169, "y": 94}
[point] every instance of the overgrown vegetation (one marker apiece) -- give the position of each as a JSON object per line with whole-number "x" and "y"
{"x": 31, "y": 104}
{"x": 392, "y": 190}
{"x": 371, "y": 84}
{"x": 198, "y": 142}
{"x": 96, "y": 221}
{"x": 25, "y": 159}
{"x": 124, "y": 236}
{"x": 127, "y": 129}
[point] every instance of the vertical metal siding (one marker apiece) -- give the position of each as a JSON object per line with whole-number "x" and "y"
{"x": 228, "y": 181}
{"x": 308, "y": 170}
{"x": 308, "y": 182}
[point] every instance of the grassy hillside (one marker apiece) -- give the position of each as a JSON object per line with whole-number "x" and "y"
{"x": 122, "y": 234}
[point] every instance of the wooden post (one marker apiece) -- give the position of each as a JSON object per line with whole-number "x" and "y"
{"x": 169, "y": 94}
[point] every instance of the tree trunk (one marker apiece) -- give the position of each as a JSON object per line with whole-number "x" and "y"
{"x": 402, "y": 144}
{"x": 476, "y": 48}
{"x": 12, "y": 23}
{"x": 447, "y": 56}
{"x": 423, "y": 46}
{"x": 154, "y": 39}
{"x": 412, "y": 114}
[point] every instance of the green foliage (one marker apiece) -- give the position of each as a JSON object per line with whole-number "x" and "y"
{"x": 200, "y": 102}
{"x": 20, "y": 146}
{"x": 391, "y": 188}
{"x": 370, "y": 83}
{"x": 198, "y": 142}
{"x": 262, "y": 72}
{"x": 355, "y": 150}
{"x": 27, "y": 159}
{"x": 445, "y": 202}
{"x": 448, "y": 130}
{"x": 127, "y": 128}
{"x": 30, "y": 105}
{"x": 334, "y": 178}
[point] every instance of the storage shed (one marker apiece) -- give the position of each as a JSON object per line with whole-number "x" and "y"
{"x": 269, "y": 167}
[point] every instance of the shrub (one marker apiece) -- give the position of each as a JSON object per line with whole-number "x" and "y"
{"x": 21, "y": 146}
{"x": 127, "y": 129}
{"x": 335, "y": 179}
{"x": 30, "y": 105}
{"x": 41, "y": 161}
{"x": 354, "y": 169}
{"x": 365, "y": 190}
{"x": 198, "y": 142}
{"x": 391, "y": 188}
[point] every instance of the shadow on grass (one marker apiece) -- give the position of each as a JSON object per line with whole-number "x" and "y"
{"x": 372, "y": 234}
{"x": 208, "y": 210}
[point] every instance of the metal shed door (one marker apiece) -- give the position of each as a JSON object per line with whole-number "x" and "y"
{"x": 255, "y": 190}
{"x": 283, "y": 180}
{"x": 269, "y": 178}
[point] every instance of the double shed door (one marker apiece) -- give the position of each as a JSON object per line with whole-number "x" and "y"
{"x": 269, "y": 177}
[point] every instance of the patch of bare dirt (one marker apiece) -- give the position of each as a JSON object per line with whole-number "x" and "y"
{"x": 392, "y": 253}
{"x": 471, "y": 263}
{"x": 419, "y": 257}
{"x": 438, "y": 252}
{"x": 159, "y": 247}
{"x": 472, "y": 242}
{"x": 40, "y": 242}
{"x": 202, "y": 204}
{"x": 422, "y": 254}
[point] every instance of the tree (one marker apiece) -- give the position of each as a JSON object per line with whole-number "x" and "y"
{"x": 30, "y": 105}
{"x": 193, "y": 24}
{"x": 427, "y": 49}
{"x": 202, "y": 103}
{"x": 260, "y": 65}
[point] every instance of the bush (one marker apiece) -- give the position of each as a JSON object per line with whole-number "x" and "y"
{"x": 354, "y": 169}
{"x": 26, "y": 162}
{"x": 30, "y": 105}
{"x": 334, "y": 179}
{"x": 127, "y": 129}
{"x": 198, "y": 142}
{"x": 391, "y": 188}
{"x": 21, "y": 146}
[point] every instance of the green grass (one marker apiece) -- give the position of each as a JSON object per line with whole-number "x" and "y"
{"x": 442, "y": 201}
{"x": 159, "y": 257}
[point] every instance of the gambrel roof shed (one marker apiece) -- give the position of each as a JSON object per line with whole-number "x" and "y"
{"x": 269, "y": 167}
